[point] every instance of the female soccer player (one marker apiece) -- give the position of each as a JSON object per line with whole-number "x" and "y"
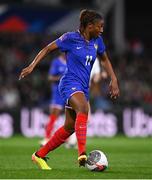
{"x": 81, "y": 48}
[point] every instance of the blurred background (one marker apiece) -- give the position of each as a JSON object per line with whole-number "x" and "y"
{"x": 26, "y": 26}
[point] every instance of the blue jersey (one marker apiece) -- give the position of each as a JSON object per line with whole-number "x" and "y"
{"x": 80, "y": 55}
{"x": 57, "y": 68}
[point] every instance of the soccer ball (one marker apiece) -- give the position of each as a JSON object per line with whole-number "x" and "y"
{"x": 97, "y": 161}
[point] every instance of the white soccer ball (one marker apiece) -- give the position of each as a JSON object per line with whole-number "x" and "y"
{"x": 97, "y": 161}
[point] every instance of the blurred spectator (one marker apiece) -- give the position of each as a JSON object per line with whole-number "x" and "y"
{"x": 9, "y": 96}
{"x": 137, "y": 47}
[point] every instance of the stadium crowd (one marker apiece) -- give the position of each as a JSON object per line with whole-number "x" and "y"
{"x": 133, "y": 70}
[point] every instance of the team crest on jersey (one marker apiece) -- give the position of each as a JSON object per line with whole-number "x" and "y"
{"x": 96, "y": 46}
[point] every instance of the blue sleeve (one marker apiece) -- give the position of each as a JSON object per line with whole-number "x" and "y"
{"x": 53, "y": 68}
{"x": 101, "y": 46}
{"x": 64, "y": 42}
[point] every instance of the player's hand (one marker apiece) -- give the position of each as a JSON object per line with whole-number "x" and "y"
{"x": 114, "y": 89}
{"x": 26, "y": 71}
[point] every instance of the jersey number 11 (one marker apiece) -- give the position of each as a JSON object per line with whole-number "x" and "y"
{"x": 88, "y": 60}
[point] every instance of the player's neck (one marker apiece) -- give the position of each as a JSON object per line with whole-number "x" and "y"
{"x": 85, "y": 35}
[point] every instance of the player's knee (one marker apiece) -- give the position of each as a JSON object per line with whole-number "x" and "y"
{"x": 69, "y": 128}
{"x": 83, "y": 108}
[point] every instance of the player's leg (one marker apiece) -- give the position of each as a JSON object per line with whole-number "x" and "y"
{"x": 56, "y": 140}
{"x": 61, "y": 135}
{"x": 79, "y": 103}
{"x": 70, "y": 117}
{"x": 72, "y": 140}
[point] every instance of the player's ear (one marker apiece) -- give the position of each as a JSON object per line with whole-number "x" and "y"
{"x": 90, "y": 26}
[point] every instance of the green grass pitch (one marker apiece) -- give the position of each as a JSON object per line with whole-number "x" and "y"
{"x": 129, "y": 158}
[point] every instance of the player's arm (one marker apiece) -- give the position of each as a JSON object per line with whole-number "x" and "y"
{"x": 114, "y": 88}
{"x": 49, "y": 48}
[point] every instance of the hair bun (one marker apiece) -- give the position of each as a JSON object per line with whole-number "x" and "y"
{"x": 88, "y": 16}
{"x": 83, "y": 14}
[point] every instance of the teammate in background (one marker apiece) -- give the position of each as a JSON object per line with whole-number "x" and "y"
{"x": 81, "y": 48}
{"x": 56, "y": 71}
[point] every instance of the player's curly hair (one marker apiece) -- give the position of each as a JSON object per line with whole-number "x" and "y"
{"x": 89, "y": 16}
